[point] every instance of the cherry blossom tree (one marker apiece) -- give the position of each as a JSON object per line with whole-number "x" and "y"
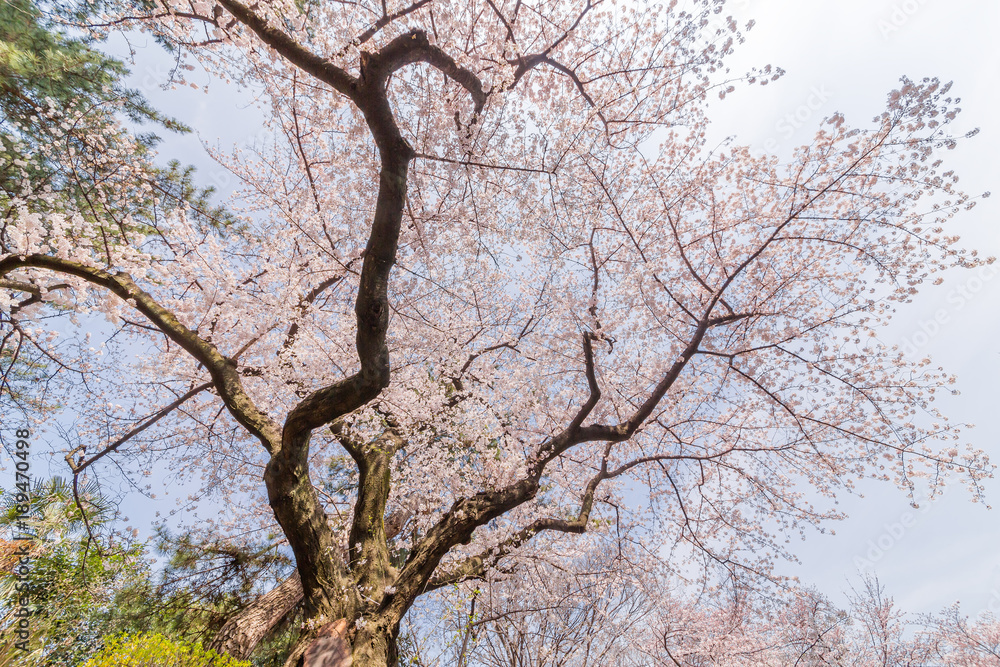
{"x": 954, "y": 639}
{"x": 488, "y": 297}
{"x": 652, "y": 625}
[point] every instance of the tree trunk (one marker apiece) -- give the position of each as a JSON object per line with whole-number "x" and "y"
{"x": 330, "y": 648}
{"x": 241, "y": 633}
{"x": 245, "y": 630}
{"x": 374, "y": 645}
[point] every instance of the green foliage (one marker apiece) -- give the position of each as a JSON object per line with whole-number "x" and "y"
{"x": 204, "y": 582}
{"x": 57, "y": 85}
{"x": 78, "y": 569}
{"x": 60, "y": 96}
{"x": 89, "y": 584}
{"x": 63, "y": 149}
{"x": 22, "y": 378}
{"x": 177, "y": 189}
{"x": 40, "y": 60}
{"x": 274, "y": 649}
{"x": 156, "y": 650}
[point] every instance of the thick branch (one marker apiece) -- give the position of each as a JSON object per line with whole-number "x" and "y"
{"x": 326, "y": 582}
{"x": 222, "y": 370}
{"x": 20, "y": 286}
{"x": 37, "y": 295}
{"x": 291, "y": 50}
{"x": 576, "y": 434}
{"x": 475, "y": 567}
{"x": 595, "y": 390}
{"x": 368, "y": 547}
{"x": 414, "y": 47}
{"x": 371, "y": 308}
{"x": 456, "y": 527}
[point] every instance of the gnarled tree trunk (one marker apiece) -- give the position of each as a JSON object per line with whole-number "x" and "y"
{"x": 245, "y": 630}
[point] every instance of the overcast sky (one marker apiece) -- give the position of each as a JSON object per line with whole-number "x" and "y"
{"x": 845, "y": 55}
{"x": 839, "y": 55}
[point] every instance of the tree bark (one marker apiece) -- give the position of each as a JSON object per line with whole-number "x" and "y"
{"x": 330, "y": 649}
{"x": 241, "y": 633}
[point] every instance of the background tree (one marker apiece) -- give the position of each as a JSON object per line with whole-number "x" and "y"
{"x": 80, "y": 569}
{"x": 645, "y": 620}
{"x": 591, "y": 308}
{"x": 205, "y": 583}
{"x": 955, "y": 639}
{"x": 96, "y": 594}
{"x": 62, "y": 102}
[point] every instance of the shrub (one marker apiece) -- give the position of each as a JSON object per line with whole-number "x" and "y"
{"x": 156, "y": 650}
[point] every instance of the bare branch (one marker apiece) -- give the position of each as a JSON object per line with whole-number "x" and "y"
{"x": 385, "y": 20}
{"x": 79, "y": 467}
